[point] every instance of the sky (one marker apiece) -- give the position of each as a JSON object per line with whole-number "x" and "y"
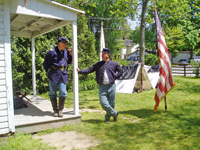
{"x": 133, "y": 24}
{"x": 136, "y": 22}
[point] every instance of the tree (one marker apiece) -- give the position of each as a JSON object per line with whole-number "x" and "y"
{"x": 113, "y": 14}
{"x": 174, "y": 40}
{"x": 180, "y": 22}
{"x": 142, "y": 31}
{"x": 181, "y": 13}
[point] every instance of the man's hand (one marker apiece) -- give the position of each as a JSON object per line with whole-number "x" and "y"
{"x": 70, "y": 51}
{"x": 78, "y": 69}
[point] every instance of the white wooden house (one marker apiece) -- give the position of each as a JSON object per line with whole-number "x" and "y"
{"x": 30, "y": 19}
{"x": 130, "y": 48}
{"x": 180, "y": 55}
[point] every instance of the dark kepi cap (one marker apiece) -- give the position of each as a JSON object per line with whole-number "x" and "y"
{"x": 63, "y": 39}
{"x": 107, "y": 50}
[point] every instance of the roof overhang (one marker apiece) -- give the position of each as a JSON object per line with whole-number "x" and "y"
{"x": 38, "y": 17}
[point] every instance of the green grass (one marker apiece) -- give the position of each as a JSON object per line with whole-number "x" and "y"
{"x": 22, "y": 142}
{"x": 138, "y": 126}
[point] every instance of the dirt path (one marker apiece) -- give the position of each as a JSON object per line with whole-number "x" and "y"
{"x": 70, "y": 139}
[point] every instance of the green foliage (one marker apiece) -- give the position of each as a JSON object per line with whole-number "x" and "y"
{"x": 115, "y": 11}
{"x": 197, "y": 66}
{"x": 150, "y": 38}
{"x": 197, "y": 52}
{"x": 151, "y": 60}
{"x": 191, "y": 34}
{"x": 22, "y": 142}
{"x": 88, "y": 85}
{"x": 182, "y": 14}
{"x": 86, "y": 50}
{"x": 135, "y": 35}
{"x": 124, "y": 62}
{"x": 174, "y": 40}
{"x": 117, "y": 58}
{"x": 180, "y": 23}
{"x": 21, "y": 63}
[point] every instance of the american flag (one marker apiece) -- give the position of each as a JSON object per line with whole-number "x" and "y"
{"x": 166, "y": 82}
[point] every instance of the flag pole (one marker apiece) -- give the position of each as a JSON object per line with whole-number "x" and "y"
{"x": 102, "y": 42}
{"x": 165, "y": 102}
{"x": 155, "y": 6}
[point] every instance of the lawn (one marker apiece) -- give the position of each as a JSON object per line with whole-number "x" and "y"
{"x": 138, "y": 126}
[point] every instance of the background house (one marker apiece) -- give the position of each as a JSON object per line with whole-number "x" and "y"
{"x": 129, "y": 48}
{"x": 181, "y": 55}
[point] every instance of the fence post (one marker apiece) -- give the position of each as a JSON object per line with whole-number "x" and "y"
{"x": 184, "y": 70}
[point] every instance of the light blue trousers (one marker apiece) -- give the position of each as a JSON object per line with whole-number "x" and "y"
{"x": 107, "y": 94}
{"x": 53, "y": 89}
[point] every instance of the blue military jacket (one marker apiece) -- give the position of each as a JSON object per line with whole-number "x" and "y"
{"x": 113, "y": 69}
{"x": 57, "y": 59}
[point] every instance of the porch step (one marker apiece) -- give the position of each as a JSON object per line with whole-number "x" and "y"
{"x": 38, "y": 116}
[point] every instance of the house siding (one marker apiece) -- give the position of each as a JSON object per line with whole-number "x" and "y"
{"x": 4, "y": 128}
{"x": 6, "y": 100}
{"x": 180, "y": 55}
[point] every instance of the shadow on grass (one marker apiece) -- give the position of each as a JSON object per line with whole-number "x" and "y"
{"x": 92, "y": 107}
{"x": 195, "y": 88}
{"x": 140, "y": 113}
{"x": 93, "y": 121}
{"x": 85, "y": 101}
{"x": 189, "y": 86}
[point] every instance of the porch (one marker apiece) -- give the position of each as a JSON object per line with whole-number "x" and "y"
{"x": 38, "y": 116}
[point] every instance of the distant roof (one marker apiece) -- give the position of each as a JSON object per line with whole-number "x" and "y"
{"x": 127, "y": 42}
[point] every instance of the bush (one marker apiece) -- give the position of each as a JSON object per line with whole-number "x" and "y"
{"x": 151, "y": 60}
{"x": 197, "y": 66}
{"x": 88, "y": 85}
{"x": 117, "y": 58}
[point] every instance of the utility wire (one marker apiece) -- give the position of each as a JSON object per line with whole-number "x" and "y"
{"x": 106, "y": 18}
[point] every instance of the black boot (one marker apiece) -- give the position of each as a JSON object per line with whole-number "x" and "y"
{"x": 61, "y": 106}
{"x": 55, "y": 107}
{"x": 115, "y": 118}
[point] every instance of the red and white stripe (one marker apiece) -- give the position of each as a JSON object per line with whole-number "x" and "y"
{"x": 166, "y": 79}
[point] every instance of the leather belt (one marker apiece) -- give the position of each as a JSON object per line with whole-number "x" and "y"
{"x": 61, "y": 69}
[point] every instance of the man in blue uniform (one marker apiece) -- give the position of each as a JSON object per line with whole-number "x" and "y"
{"x": 55, "y": 64}
{"x": 106, "y": 73}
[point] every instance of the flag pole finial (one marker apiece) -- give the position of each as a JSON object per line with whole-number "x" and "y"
{"x": 155, "y": 6}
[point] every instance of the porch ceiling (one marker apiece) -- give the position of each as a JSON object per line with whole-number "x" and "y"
{"x": 33, "y": 26}
{"x": 37, "y": 17}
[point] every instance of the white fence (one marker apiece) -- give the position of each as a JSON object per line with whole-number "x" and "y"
{"x": 183, "y": 69}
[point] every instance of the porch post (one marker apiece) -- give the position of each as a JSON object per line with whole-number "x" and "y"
{"x": 75, "y": 66}
{"x": 33, "y": 66}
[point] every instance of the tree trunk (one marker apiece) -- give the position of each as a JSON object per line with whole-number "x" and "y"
{"x": 142, "y": 31}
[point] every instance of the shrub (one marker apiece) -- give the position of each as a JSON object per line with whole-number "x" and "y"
{"x": 88, "y": 85}
{"x": 197, "y": 66}
{"x": 151, "y": 60}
